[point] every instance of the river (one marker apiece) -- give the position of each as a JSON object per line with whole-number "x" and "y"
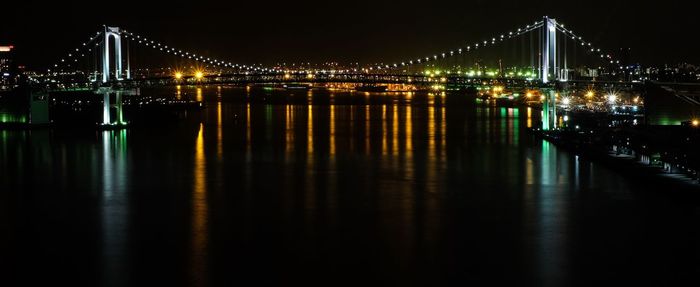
{"x": 331, "y": 189}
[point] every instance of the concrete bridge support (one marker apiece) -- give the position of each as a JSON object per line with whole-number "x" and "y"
{"x": 106, "y": 109}
{"x": 549, "y": 110}
{"x": 116, "y": 118}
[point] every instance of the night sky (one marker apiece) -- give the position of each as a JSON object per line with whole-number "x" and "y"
{"x": 361, "y": 31}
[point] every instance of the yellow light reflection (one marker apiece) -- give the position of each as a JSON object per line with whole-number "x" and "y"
{"x": 443, "y": 133}
{"x": 385, "y": 132}
{"x": 199, "y": 211}
{"x": 332, "y": 183}
{"x": 332, "y": 133}
{"x": 248, "y": 139}
{"x": 199, "y": 94}
{"x": 219, "y": 132}
{"x": 310, "y": 131}
{"x": 409, "y": 131}
{"x": 431, "y": 132}
{"x": 289, "y": 129}
{"x": 443, "y": 130}
{"x": 395, "y": 131}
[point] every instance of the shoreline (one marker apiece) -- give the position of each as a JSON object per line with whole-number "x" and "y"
{"x": 679, "y": 183}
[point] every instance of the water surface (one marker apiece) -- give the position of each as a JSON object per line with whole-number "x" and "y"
{"x": 331, "y": 188}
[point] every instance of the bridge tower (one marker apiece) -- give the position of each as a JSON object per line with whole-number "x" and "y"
{"x": 551, "y": 71}
{"x": 115, "y": 33}
{"x": 549, "y": 62}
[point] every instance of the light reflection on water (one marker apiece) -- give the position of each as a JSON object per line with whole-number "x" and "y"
{"x": 319, "y": 183}
{"x": 219, "y": 132}
{"x": 115, "y": 206}
{"x": 200, "y": 209}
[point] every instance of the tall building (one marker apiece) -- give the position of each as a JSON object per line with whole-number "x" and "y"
{"x": 7, "y": 67}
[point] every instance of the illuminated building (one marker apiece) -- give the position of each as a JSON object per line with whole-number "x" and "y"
{"x": 7, "y": 69}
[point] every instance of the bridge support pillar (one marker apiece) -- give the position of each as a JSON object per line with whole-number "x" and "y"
{"x": 107, "y": 118}
{"x": 108, "y": 93}
{"x": 106, "y": 110}
{"x": 549, "y": 110}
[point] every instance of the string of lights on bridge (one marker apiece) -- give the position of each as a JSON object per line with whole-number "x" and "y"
{"x": 192, "y": 56}
{"x": 86, "y": 47}
{"x": 468, "y": 48}
{"x": 74, "y": 55}
{"x": 589, "y": 45}
{"x": 212, "y": 61}
{"x": 493, "y": 41}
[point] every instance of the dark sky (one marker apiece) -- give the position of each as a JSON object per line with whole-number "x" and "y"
{"x": 364, "y": 31}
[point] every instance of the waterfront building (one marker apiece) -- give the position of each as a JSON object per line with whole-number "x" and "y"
{"x": 7, "y": 67}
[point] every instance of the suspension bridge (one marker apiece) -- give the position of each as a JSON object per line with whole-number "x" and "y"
{"x": 543, "y": 54}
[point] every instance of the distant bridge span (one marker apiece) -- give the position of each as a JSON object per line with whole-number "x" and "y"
{"x": 548, "y": 69}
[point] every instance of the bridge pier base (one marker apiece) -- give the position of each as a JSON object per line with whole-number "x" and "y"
{"x": 549, "y": 110}
{"x": 106, "y": 110}
{"x": 116, "y": 119}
